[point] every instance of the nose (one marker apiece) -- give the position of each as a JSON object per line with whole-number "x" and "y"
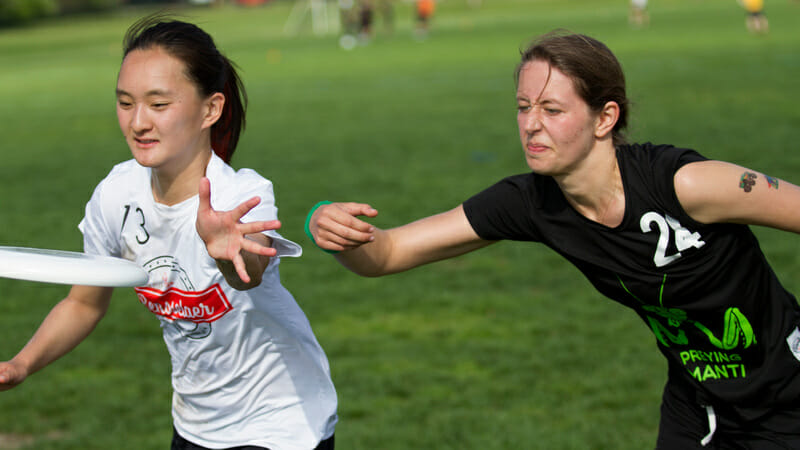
{"x": 532, "y": 121}
{"x": 139, "y": 119}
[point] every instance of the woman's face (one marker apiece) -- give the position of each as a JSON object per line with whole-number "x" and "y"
{"x": 556, "y": 126}
{"x": 160, "y": 111}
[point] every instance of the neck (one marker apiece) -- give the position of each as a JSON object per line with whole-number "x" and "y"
{"x": 595, "y": 190}
{"x": 173, "y": 187}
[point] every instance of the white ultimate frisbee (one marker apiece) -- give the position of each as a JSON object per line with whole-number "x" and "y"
{"x": 63, "y": 267}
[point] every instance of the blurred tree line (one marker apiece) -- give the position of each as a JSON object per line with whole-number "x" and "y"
{"x": 18, "y": 12}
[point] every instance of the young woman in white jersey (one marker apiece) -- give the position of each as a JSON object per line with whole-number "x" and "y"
{"x": 247, "y": 371}
{"x": 657, "y": 228}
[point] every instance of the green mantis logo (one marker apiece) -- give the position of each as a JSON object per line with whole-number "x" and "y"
{"x": 736, "y": 332}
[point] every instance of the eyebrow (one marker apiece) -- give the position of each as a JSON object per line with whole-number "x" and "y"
{"x": 549, "y": 101}
{"x": 150, "y": 93}
{"x": 539, "y": 101}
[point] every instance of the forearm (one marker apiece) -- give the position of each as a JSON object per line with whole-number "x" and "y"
{"x": 424, "y": 241}
{"x": 372, "y": 252}
{"x": 67, "y": 324}
{"x": 371, "y": 259}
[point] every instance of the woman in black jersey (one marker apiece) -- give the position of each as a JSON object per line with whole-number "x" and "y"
{"x": 659, "y": 229}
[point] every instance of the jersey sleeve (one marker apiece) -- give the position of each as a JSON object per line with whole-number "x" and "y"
{"x": 503, "y": 210}
{"x": 250, "y": 184}
{"x": 97, "y": 236}
{"x": 665, "y": 161}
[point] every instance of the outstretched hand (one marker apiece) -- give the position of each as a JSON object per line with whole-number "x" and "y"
{"x": 225, "y": 236}
{"x": 10, "y": 375}
{"x": 335, "y": 226}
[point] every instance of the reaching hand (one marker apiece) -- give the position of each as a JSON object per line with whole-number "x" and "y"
{"x": 11, "y": 375}
{"x": 335, "y": 226}
{"x": 225, "y": 236}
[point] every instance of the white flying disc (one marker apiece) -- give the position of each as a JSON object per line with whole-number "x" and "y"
{"x": 63, "y": 267}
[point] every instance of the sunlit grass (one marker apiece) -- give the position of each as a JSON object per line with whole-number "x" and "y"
{"x": 505, "y": 348}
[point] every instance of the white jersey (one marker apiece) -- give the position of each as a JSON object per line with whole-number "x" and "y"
{"x": 246, "y": 367}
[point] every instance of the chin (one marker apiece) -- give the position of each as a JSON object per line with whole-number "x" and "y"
{"x": 537, "y": 166}
{"x": 144, "y": 160}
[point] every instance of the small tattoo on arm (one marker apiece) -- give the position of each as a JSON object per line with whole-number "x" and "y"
{"x": 747, "y": 181}
{"x": 771, "y": 182}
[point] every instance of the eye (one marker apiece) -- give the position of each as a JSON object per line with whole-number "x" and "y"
{"x": 523, "y": 108}
{"x": 160, "y": 105}
{"x": 552, "y": 111}
{"x": 124, "y": 104}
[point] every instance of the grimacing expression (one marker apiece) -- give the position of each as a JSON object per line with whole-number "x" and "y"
{"x": 556, "y": 126}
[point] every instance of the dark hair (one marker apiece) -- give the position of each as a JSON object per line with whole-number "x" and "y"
{"x": 595, "y": 71}
{"x": 209, "y": 69}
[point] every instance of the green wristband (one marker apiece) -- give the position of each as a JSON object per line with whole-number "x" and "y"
{"x": 308, "y": 221}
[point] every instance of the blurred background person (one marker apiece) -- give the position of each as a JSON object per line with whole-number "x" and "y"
{"x": 386, "y": 9}
{"x": 366, "y": 16}
{"x": 348, "y": 15}
{"x": 425, "y": 10}
{"x": 638, "y": 15}
{"x": 756, "y": 21}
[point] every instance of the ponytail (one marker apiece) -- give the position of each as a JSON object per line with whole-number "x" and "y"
{"x": 225, "y": 133}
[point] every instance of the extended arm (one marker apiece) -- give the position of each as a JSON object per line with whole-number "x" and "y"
{"x": 67, "y": 324}
{"x": 373, "y": 252}
{"x": 716, "y": 191}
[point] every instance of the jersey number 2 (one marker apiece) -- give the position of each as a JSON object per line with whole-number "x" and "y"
{"x": 684, "y": 239}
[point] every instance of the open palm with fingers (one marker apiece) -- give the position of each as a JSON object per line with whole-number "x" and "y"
{"x": 225, "y": 235}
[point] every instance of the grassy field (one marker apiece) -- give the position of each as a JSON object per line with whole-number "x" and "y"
{"x": 505, "y": 348}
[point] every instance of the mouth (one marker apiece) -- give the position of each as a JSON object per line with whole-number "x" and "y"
{"x": 535, "y": 148}
{"x": 145, "y": 143}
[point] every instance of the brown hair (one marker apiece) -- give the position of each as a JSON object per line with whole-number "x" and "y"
{"x": 210, "y": 70}
{"x": 595, "y": 71}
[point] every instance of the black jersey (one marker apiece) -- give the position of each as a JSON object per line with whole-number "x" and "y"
{"x": 725, "y": 324}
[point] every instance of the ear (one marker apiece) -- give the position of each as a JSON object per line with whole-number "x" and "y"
{"x": 213, "y": 109}
{"x": 606, "y": 120}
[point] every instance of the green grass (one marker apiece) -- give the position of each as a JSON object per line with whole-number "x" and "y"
{"x": 505, "y": 348}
